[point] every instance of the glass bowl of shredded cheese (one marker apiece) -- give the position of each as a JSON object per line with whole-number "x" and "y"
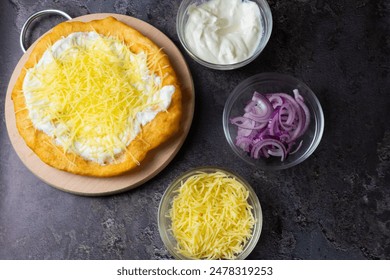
{"x": 210, "y": 213}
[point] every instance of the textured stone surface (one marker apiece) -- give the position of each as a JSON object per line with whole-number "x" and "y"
{"x": 335, "y": 205}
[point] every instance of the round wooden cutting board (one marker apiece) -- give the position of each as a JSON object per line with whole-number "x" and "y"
{"x": 156, "y": 159}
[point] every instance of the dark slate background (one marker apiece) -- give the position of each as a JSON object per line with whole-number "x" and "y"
{"x": 335, "y": 205}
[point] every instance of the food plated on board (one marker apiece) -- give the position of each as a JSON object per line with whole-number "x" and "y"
{"x": 95, "y": 97}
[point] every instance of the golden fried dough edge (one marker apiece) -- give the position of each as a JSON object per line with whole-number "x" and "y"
{"x": 164, "y": 125}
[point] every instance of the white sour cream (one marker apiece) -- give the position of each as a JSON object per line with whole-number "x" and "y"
{"x": 223, "y": 31}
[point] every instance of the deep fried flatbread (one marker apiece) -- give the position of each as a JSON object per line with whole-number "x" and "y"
{"x": 161, "y": 128}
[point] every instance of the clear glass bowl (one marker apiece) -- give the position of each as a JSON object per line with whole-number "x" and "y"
{"x": 164, "y": 222}
{"x": 266, "y": 23}
{"x": 273, "y": 83}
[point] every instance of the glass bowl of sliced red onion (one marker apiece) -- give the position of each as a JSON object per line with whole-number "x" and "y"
{"x": 273, "y": 121}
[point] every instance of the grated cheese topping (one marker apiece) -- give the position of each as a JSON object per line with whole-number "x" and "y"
{"x": 92, "y": 94}
{"x": 211, "y": 217}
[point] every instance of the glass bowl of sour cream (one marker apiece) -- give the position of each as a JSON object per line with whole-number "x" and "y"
{"x": 224, "y": 34}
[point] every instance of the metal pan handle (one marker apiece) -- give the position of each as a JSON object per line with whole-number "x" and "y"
{"x": 32, "y": 18}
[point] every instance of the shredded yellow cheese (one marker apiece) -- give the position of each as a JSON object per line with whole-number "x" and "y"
{"x": 91, "y": 94}
{"x": 211, "y": 217}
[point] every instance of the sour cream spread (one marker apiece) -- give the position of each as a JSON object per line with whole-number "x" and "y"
{"x": 90, "y": 113}
{"x": 223, "y": 31}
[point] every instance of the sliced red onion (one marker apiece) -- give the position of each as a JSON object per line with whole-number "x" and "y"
{"x": 247, "y": 123}
{"x": 268, "y": 147}
{"x": 262, "y": 109}
{"x": 275, "y": 100}
{"x": 244, "y": 143}
{"x": 271, "y": 124}
{"x": 289, "y": 112}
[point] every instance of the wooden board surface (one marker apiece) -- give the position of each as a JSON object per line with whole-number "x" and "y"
{"x": 156, "y": 159}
